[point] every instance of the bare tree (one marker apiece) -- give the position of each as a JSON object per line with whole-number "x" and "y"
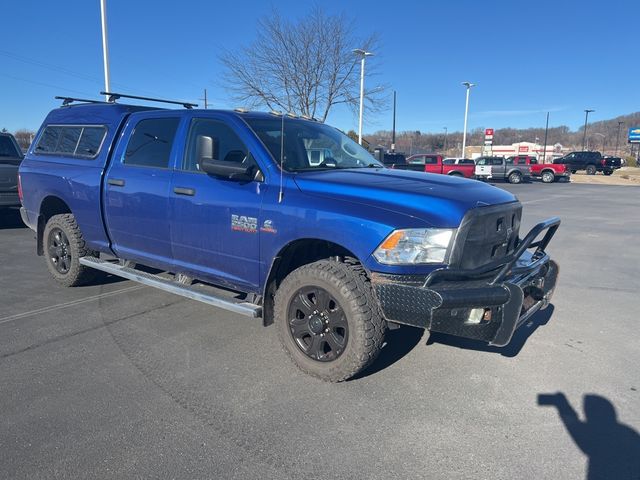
{"x": 304, "y": 67}
{"x": 24, "y": 137}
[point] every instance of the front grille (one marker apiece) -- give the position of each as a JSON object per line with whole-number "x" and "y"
{"x": 486, "y": 234}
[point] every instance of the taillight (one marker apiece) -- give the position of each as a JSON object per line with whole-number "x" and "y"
{"x": 19, "y": 188}
{"x": 604, "y": 162}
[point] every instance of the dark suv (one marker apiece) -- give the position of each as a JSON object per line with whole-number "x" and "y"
{"x": 10, "y": 158}
{"x": 591, "y": 162}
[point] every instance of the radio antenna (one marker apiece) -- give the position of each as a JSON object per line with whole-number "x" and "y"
{"x": 281, "y": 192}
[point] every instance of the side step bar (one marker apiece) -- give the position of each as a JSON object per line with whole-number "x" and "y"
{"x": 243, "y": 308}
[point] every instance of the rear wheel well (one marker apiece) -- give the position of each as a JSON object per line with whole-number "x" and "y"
{"x": 294, "y": 255}
{"x": 49, "y": 207}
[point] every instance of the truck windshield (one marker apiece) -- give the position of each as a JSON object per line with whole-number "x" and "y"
{"x": 309, "y": 145}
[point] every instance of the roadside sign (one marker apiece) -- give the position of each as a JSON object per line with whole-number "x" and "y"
{"x": 522, "y": 149}
{"x": 488, "y": 136}
{"x": 634, "y": 135}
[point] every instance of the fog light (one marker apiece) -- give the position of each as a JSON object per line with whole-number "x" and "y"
{"x": 475, "y": 316}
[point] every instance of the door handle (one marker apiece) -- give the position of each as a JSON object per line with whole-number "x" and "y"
{"x": 184, "y": 191}
{"x": 116, "y": 182}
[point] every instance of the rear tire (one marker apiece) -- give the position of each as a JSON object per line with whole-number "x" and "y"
{"x": 328, "y": 320}
{"x": 548, "y": 177}
{"x": 515, "y": 177}
{"x": 63, "y": 248}
{"x": 607, "y": 173}
{"x": 591, "y": 170}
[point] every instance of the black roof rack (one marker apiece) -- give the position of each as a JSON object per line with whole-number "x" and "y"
{"x": 115, "y": 96}
{"x": 69, "y": 100}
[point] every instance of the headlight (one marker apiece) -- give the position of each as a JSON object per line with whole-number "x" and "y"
{"x": 415, "y": 245}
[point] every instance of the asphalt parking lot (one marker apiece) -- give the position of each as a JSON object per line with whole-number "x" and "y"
{"x": 117, "y": 380}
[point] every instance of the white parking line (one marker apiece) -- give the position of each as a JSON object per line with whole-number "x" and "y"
{"x": 72, "y": 303}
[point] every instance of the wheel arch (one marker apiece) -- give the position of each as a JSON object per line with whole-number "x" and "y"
{"x": 293, "y": 255}
{"x": 49, "y": 206}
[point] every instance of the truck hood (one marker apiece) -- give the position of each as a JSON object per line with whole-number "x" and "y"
{"x": 439, "y": 200}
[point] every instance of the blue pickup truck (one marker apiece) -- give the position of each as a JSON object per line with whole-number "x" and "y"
{"x": 230, "y": 208}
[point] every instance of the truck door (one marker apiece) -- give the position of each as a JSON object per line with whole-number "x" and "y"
{"x": 136, "y": 189}
{"x": 498, "y": 168}
{"x": 215, "y": 221}
{"x": 431, "y": 164}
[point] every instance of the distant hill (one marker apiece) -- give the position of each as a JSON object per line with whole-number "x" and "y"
{"x": 418, "y": 142}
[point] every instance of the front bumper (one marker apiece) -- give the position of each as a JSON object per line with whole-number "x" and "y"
{"x": 509, "y": 291}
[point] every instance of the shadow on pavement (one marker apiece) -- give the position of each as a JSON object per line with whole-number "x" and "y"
{"x": 10, "y": 218}
{"x": 511, "y": 350}
{"x": 399, "y": 342}
{"x": 612, "y": 448}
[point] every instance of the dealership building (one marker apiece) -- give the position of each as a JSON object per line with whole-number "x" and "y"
{"x": 519, "y": 148}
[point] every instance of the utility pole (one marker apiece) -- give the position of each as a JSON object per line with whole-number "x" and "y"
{"x": 393, "y": 131}
{"x": 206, "y": 105}
{"x": 546, "y": 131}
{"x": 445, "y": 140}
{"x": 584, "y": 135}
{"x": 618, "y": 137}
{"x": 105, "y": 47}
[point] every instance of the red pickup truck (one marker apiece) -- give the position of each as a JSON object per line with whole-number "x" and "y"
{"x": 547, "y": 172}
{"x": 433, "y": 163}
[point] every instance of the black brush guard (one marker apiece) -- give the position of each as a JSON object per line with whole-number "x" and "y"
{"x": 510, "y": 290}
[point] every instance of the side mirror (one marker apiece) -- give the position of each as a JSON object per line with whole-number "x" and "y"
{"x": 230, "y": 170}
{"x": 204, "y": 147}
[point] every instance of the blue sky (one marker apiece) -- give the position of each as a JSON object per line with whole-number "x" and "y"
{"x": 527, "y": 58}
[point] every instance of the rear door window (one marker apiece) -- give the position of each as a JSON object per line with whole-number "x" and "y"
{"x": 151, "y": 143}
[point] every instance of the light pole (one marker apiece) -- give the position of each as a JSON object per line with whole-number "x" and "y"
{"x": 584, "y": 135}
{"x": 105, "y": 47}
{"x": 618, "y": 137}
{"x": 466, "y": 113}
{"x": 364, "y": 54}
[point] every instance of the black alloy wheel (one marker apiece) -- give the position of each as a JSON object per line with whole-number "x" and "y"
{"x": 59, "y": 250}
{"x": 317, "y": 324}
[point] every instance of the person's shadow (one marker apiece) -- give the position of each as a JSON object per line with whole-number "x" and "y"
{"x": 612, "y": 448}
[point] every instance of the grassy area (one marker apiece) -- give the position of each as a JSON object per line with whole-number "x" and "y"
{"x": 622, "y": 176}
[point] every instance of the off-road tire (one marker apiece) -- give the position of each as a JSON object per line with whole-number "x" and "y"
{"x": 591, "y": 170}
{"x": 77, "y": 274}
{"x": 548, "y": 177}
{"x": 608, "y": 172}
{"x": 349, "y": 284}
{"x": 515, "y": 177}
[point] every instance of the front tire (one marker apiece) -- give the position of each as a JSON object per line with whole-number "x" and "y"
{"x": 64, "y": 246}
{"x": 515, "y": 177}
{"x": 328, "y": 320}
{"x": 548, "y": 177}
